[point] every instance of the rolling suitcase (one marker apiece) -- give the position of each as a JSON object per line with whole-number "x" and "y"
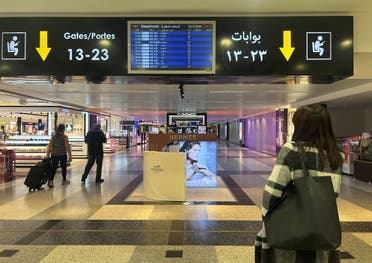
{"x": 38, "y": 175}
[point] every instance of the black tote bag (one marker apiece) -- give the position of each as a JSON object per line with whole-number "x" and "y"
{"x": 306, "y": 216}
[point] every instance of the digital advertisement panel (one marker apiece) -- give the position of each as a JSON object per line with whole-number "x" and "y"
{"x": 201, "y": 166}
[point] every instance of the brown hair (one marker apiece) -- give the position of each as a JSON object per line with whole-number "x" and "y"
{"x": 60, "y": 129}
{"x": 188, "y": 145}
{"x": 313, "y": 125}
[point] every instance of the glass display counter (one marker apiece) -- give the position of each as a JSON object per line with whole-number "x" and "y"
{"x": 363, "y": 166}
{"x": 29, "y": 150}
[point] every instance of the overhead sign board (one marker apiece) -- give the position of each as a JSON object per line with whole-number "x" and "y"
{"x": 285, "y": 46}
{"x": 62, "y": 46}
{"x": 212, "y": 46}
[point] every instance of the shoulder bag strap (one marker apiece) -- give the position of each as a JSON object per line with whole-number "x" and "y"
{"x": 301, "y": 152}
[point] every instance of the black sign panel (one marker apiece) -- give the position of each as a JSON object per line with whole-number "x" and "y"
{"x": 285, "y": 46}
{"x": 62, "y": 46}
{"x": 244, "y": 46}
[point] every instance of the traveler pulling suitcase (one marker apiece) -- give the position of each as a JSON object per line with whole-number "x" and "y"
{"x": 38, "y": 175}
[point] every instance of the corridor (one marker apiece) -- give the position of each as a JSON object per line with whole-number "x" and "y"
{"x": 114, "y": 222}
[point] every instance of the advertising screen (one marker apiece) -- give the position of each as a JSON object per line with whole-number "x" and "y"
{"x": 202, "y": 129}
{"x": 201, "y": 166}
{"x": 154, "y": 129}
{"x": 171, "y": 47}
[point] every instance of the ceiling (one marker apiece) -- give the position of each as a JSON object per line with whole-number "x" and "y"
{"x": 221, "y": 100}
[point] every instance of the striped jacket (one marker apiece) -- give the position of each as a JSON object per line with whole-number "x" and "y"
{"x": 288, "y": 167}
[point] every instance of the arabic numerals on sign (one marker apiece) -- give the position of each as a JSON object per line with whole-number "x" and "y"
{"x": 244, "y": 54}
{"x": 252, "y": 55}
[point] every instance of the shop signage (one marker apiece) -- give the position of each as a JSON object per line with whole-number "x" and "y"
{"x": 223, "y": 46}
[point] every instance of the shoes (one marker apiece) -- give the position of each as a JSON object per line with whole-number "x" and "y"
{"x": 100, "y": 181}
{"x": 65, "y": 182}
{"x": 83, "y": 181}
{"x": 50, "y": 184}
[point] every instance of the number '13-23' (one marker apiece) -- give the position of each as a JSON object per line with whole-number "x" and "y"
{"x": 96, "y": 54}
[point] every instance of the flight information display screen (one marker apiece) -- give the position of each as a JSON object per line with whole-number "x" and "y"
{"x": 177, "y": 47}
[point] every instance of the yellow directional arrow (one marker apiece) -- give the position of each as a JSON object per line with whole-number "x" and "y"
{"x": 43, "y": 48}
{"x": 287, "y": 48}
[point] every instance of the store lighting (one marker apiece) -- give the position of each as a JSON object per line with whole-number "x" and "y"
{"x": 182, "y": 93}
{"x": 26, "y": 80}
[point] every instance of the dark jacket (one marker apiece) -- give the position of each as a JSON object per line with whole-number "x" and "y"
{"x": 95, "y": 140}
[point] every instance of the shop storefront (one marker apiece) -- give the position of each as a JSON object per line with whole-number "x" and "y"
{"x": 27, "y": 132}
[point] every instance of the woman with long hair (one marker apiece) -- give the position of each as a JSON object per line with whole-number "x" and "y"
{"x": 58, "y": 148}
{"x": 313, "y": 130}
{"x": 193, "y": 167}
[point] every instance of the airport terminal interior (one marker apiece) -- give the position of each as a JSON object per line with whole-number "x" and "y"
{"x": 174, "y": 86}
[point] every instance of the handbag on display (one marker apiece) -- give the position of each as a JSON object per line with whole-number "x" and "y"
{"x": 306, "y": 216}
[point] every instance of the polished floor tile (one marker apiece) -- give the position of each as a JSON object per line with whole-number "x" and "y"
{"x": 158, "y": 254}
{"x": 356, "y": 247}
{"x": 234, "y": 213}
{"x": 32, "y": 254}
{"x": 351, "y": 212}
{"x": 365, "y": 237}
{"x": 111, "y": 212}
{"x": 114, "y": 222}
{"x": 79, "y": 253}
{"x": 231, "y": 254}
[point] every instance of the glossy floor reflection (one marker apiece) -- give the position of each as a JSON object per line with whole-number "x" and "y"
{"x": 114, "y": 222}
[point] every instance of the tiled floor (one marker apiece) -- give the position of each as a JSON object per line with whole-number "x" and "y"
{"x": 114, "y": 222}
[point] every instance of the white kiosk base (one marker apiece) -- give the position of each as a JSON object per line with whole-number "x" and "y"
{"x": 164, "y": 176}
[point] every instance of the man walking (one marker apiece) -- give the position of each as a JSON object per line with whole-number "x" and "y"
{"x": 94, "y": 138}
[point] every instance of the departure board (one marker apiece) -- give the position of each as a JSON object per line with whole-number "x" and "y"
{"x": 177, "y": 47}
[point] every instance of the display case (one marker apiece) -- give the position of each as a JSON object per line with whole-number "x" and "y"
{"x": 363, "y": 166}
{"x": 109, "y": 147}
{"x": 7, "y": 165}
{"x": 119, "y": 138}
{"x": 124, "y": 139}
{"x": 351, "y": 146}
{"x": 363, "y": 171}
{"x": 29, "y": 150}
{"x": 79, "y": 148}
